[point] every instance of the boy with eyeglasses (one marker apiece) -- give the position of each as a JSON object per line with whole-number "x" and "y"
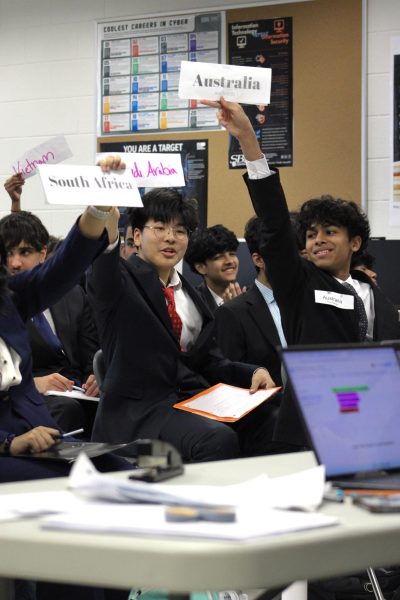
{"x": 158, "y": 346}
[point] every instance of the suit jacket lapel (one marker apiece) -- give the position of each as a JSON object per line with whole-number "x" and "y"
{"x": 200, "y": 304}
{"x": 259, "y": 312}
{"x": 147, "y": 280}
{"x": 61, "y": 319}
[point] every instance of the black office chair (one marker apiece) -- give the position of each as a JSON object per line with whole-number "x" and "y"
{"x": 99, "y": 368}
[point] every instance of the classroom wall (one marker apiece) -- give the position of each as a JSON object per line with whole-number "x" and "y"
{"x": 47, "y": 75}
{"x": 383, "y": 22}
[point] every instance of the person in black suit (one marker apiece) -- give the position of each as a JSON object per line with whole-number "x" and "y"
{"x": 25, "y": 422}
{"x": 56, "y": 365}
{"x": 212, "y": 253}
{"x": 248, "y": 328}
{"x": 315, "y": 303}
{"x": 159, "y": 351}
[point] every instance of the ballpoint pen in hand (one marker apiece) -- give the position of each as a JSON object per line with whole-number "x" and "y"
{"x": 70, "y": 433}
{"x": 78, "y": 389}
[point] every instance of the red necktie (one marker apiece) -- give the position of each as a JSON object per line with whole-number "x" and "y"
{"x": 173, "y": 315}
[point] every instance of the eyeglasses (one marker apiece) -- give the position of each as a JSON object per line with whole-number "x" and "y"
{"x": 160, "y": 231}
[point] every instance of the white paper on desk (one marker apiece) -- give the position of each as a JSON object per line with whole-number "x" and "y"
{"x": 152, "y": 169}
{"x": 85, "y": 185}
{"x": 53, "y": 151}
{"x": 150, "y": 520}
{"x": 226, "y": 401}
{"x": 36, "y": 504}
{"x": 305, "y": 491}
{"x": 72, "y": 394}
{"x": 250, "y": 85}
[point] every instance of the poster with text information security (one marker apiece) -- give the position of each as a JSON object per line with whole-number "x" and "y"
{"x": 267, "y": 43}
{"x": 138, "y": 72}
{"x": 194, "y": 157}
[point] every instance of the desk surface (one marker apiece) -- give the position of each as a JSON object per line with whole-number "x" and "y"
{"x": 362, "y": 539}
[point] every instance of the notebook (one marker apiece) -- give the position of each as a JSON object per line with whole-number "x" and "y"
{"x": 69, "y": 451}
{"x": 349, "y": 399}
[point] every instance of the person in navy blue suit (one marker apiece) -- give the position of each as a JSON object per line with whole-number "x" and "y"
{"x": 25, "y": 423}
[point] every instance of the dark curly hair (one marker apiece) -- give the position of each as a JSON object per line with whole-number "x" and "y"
{"x": 363, "y": 258}
{"x": 205, "y": 243}
{"x": 328, "y": 210}
{"x": 23, "y": 226}
{"x": 165, "y": 205}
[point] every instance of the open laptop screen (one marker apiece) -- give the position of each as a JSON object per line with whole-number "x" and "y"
{"x": 349, "y": 398}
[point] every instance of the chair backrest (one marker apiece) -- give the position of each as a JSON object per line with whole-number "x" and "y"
{"x": 99, "y": 368}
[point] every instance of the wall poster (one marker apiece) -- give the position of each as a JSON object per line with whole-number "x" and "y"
{"x": 394, "y": 217}
{"x": 194, "y": 157}
{"x": 138, "y": 72}
{"x": 267, "y": 43}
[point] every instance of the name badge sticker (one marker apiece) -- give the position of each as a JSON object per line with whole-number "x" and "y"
{"x": 344, "y": 301}
{"x": 250, "y": 85}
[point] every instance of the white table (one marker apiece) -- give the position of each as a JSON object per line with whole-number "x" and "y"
{"x": 361, "y": 540}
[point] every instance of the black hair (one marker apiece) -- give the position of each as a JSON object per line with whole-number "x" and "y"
{"x": 23, "y": 226}
{"x": 294, "y": 219}
{"x": 53, "y": 245}
{"x": 165, "y": 205}
{"x": 4, "y": 275}
{"x": 363, "y": 258}
{"x": 205, "y": 243}
{"x": 127, "y": 224}
{"x": 328, "y": 210}
{"x": 253, "y": 234}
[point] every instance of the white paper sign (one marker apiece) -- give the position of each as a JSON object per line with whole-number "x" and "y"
{"x": 53, "y": 151}
{"x": 81, "y": 185}
{"x": 152, "y": 169}
{"x": 345, "y": 301}
{"x": 250, "y": 85}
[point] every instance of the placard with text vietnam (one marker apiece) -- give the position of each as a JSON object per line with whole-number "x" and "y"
{"x": 79, "y": 185}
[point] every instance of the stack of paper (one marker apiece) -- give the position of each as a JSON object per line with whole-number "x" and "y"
{"x": 262, "y": 505}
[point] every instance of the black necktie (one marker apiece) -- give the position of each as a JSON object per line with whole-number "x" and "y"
{"x": 43, "y": 326}
{"x": 361, "y": 312}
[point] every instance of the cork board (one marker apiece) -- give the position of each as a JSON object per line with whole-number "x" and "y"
{"x": 327, "y": 88}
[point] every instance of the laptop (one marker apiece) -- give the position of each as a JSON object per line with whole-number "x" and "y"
{"x": 349, "y": 400}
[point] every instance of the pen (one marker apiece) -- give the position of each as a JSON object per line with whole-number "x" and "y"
{"x": 70, "y": 433}
{"x": 78, "y": 389}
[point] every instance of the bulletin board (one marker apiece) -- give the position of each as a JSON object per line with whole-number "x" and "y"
{"x": 327, "y": 117}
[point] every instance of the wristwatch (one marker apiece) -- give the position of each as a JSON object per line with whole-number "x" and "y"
{"x": 7, "y": 444}
{"x": 97, "y": 213}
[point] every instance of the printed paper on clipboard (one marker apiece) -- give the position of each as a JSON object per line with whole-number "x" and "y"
{"x": 225, "y": 403}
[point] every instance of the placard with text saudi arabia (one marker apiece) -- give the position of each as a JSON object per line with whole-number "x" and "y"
{"x": 78, "y": 185}
{"x": 152, "y": 170}
{"x": 249, "y": 85}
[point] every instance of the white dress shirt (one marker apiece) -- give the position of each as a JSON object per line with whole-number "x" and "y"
{"x": 192, "y": 321}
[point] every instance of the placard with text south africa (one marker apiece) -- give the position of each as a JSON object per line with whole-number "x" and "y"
{"x": 152, "y": 169}
{"x": 82, "y": 185}
{"x": 249, "y": 85}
